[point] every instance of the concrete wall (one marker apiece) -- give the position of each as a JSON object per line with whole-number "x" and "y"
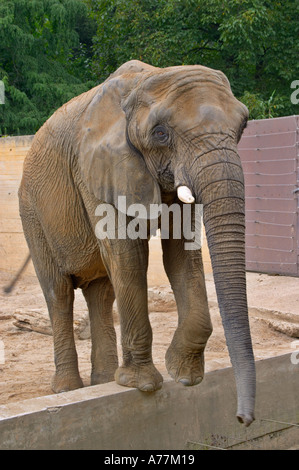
{"x": 112, "y": 417}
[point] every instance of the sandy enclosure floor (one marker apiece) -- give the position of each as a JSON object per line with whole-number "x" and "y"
{"x": 28, "y": 355}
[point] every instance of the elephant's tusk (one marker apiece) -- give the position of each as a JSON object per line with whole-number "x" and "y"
{"x": 185, "y": 195}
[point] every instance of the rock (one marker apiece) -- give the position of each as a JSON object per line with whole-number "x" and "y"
{"x": 32, "y": 320}
{"x": 289, "y": 329}
{"x": 283, "y": 322}
{"x": 161, "y": 299}
{"x": 82, "y": 325}
{"x": 38, "y": 320}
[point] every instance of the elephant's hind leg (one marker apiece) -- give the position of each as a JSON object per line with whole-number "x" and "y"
{"x": 59, "y": 295}
{"x": 60, "y": 305}
{"x": 100, "y": 296}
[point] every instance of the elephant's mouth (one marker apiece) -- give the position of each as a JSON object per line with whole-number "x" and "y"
{"x": 166, "y": 178}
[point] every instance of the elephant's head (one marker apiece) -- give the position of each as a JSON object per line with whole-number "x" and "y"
{"x": 149, "y": 131}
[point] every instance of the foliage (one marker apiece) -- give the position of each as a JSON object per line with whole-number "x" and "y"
{"x": 254, "y": 42}
{"x": 260, "y": 108}
{"x": 45, "y": 54}
{"x": 52, "y": 50}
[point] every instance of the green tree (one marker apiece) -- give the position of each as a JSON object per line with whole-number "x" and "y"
{"x": 254, "y": 42}
{"x": 45, "y": 56}
{"x": 52, "y": 50}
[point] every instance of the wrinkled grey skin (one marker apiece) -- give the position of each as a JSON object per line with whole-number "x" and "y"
{"x": 143, "y": 133}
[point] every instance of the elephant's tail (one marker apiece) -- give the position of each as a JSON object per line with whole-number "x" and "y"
{"x": 7, "y": 289}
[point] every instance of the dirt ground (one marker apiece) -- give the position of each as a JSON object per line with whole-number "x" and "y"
{"x": 27, "y": 366}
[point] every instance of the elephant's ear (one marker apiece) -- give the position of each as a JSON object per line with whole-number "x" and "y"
{"x": 110, "y": 165}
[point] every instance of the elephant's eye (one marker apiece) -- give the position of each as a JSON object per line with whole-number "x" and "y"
{"x": 161, "y": 134}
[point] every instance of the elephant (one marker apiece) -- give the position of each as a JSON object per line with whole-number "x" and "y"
{"x": 154, "y": 136}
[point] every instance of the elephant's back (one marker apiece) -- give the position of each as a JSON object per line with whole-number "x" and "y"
{"x": 49, "y": 193}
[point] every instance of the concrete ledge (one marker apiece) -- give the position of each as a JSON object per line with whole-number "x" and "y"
{"x": 111, "y": 417}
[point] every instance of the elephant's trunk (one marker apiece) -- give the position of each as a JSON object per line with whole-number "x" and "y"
{"x": 220, "y": 188}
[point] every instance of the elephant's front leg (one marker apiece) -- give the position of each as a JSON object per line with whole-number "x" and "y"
{"x": 185, "y": 355}
{"x": 126, "y": 262}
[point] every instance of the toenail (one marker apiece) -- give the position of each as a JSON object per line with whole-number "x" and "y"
{"x": 147, "y": 388}
{"x": 185, "y": 381}
{"x": 198, "y": 380}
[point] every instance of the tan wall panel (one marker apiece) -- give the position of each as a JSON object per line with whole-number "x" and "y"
{"x": 13, "y": 247}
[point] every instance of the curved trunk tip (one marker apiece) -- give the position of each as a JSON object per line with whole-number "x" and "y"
{"x": 245, "y": 419}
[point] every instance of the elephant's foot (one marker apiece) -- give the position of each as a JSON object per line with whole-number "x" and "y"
{"x": 144, "y": 377}
{"x": 185, "y": 368}
{"x": 66, "y": 382}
